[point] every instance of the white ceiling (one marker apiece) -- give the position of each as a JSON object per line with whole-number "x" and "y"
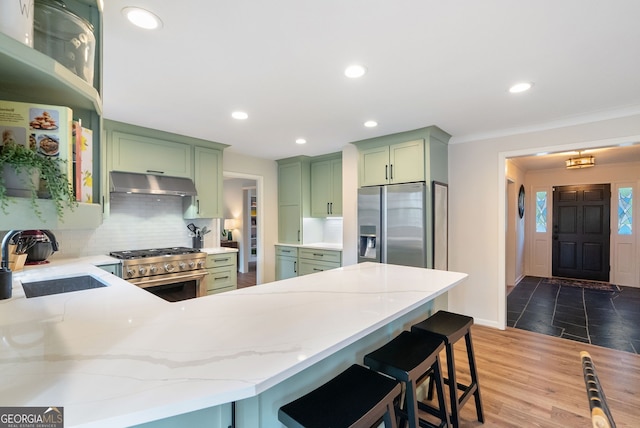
{"x": 430, "y": 62}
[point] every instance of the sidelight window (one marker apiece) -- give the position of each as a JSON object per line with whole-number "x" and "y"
{"x": 541, "y": 212}
{"x": 625, "y": 212}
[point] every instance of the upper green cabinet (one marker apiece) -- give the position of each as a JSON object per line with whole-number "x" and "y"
{"x": 395, "y": 163}
{"x": 136, "y": 153}
{"x": 326, "y": 186}
{"x": 29, "y": 76}
{"x": 417, "y": 155}
{"x": 208, "y": 181}
{"x": 293, "y": 198}
{"x": 137, "y": 149}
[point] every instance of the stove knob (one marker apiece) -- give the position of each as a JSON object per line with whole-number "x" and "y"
{"x": 142, "y": 270}
{"x": 192, "y": 264}
{"x": 200, "y": 264}
{"x": 182, "y": 265}
{"x": 130, "y": 272}
{"x": 153, "y": 269}
{"x": 169, "y": 267}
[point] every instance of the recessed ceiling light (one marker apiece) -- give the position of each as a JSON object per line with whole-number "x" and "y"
{"x": 142, "y": 18}
{"x": 371, "y": 124}
{"x": 520, "y": 87}
{"x": 301, "y": 141}
{"x": 355, "y": 71}
{"x": 240, "y": 115}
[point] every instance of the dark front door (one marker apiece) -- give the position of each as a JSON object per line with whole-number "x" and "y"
{"x": 581, "y": 231}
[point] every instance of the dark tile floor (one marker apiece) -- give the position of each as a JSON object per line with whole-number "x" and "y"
{"x": 604, "y": 318}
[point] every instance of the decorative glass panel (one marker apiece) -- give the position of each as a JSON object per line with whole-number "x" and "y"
{"x": 625, "y": 213}
{"x": 541, "y": 212}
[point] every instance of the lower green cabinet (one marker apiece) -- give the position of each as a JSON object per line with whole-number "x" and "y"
{"x": 314, "y": 260}
{"x": 286, "y": 262}
{"x": 222, "y": 273}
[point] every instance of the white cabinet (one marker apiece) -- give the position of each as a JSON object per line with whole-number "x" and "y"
{"x": 208, "y": 180}
{"x": 222, "y": 273}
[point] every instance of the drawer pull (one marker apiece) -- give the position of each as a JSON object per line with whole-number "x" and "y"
{"x": 318, "y": 255}
{"x": 154, "y": 171}
{"x": 222, "y": 260}
{"x": 221, "y": 277}
{"x": 318, "y": 270}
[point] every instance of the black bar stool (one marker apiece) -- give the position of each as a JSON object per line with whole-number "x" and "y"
{"x": 409, "y": 358}
{"x": 451, "y": 327}
{"x": 357, "y": 397}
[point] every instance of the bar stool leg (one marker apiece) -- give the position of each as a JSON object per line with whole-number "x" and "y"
{"x": 453, "y": 386}
{"x": 474, "y": 376}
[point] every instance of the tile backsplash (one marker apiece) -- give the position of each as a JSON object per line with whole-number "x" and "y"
{"x": 135, "y": 222}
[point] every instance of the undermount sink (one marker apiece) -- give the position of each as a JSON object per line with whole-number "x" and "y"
{"x": 61, "y": 285}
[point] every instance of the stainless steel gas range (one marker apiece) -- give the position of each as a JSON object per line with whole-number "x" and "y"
{"x": 170, "y": 273}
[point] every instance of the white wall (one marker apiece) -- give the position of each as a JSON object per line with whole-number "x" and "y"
{"x": 477, "y": 201}
{"x": 265, "y": 172}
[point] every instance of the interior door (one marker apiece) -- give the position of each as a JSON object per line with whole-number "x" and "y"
{"x": 581, "y": 231}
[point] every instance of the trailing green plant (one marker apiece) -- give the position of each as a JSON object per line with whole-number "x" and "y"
{"x": 50, "y": 170}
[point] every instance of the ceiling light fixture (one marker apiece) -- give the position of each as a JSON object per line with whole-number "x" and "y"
{"x": 581, "y": 162}
{"x": 355, "y": 71}
{"x": 142, "y": 18}
{"x": 301, "y": 141}
{"x": 240, "y": 115}
{"x": 371, "y": 124}
{"x": 520, "y": 87}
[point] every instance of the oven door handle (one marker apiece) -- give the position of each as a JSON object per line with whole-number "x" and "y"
{"x": 162, "y": 280}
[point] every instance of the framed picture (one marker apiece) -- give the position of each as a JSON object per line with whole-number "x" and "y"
{"x": 440, "y": 226}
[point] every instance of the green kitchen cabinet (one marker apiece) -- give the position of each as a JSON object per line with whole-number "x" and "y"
{"x": 293, "y": 198}
{"x": 326, "y": 186}
{"x": 315, "y": 260}
{"x": 208, "y": 180}
{"x": 222, "y": 273}
{"x": 29, "y": 76}
{"x": 405, "y": 157}
{"x": 417, "y": 155}
{"x": 132, "y": 148}
{"x": 396, "y": 163}
{"x": 286, "y": 262}
{"x": 145, "y": 155}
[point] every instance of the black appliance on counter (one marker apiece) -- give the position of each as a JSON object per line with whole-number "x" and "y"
{"x": 173, "y": 274}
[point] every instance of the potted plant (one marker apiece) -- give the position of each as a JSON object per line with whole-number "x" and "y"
{"x": 24, "y": 162}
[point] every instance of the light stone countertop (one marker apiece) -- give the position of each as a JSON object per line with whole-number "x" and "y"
{"x": 118, "y": 355}
{"x": 316, "y": 245}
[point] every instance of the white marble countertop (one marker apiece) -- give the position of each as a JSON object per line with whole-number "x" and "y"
{"x": 219, "y": 250}
{"x": 316, "y": 245}
{"x": 118, "y": 355}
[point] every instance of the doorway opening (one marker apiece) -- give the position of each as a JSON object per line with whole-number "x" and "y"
{"x": 243, "y": 202}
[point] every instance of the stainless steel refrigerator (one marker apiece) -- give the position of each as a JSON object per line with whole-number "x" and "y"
{"x": 392, "y": 224}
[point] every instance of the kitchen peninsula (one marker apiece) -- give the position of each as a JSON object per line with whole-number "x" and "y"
{"x": 118, "y": 356}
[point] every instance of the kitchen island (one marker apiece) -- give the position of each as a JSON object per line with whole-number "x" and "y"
{"x": 118, "y": 356}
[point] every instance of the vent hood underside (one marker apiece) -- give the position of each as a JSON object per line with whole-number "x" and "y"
{"x": 129, "y": 182}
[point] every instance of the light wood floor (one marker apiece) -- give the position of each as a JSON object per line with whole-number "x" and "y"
{"x": 247, "y": 279}
{"x": 532, "y": 380}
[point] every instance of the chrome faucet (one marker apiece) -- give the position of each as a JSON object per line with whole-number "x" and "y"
{"x": 6, "y": 279}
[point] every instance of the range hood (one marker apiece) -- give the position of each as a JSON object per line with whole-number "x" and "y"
{"x": 129, "y": 182}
